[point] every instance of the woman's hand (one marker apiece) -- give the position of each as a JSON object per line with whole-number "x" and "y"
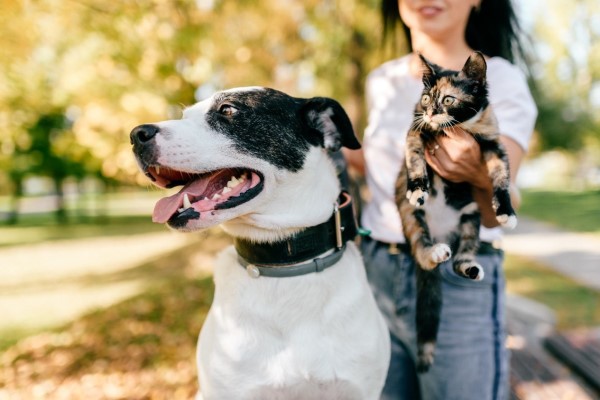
{"x": 457, "y": 158}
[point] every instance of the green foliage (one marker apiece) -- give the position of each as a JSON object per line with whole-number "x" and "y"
{"x": 119, "y": 64}
{"x": 560, "y": 126}
{"x": 567, "y": 73}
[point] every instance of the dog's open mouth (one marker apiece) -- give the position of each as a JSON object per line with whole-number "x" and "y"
{"x": 202, "y": 193}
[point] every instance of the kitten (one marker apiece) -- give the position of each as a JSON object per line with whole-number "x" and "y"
{"x": 439, "y": 217}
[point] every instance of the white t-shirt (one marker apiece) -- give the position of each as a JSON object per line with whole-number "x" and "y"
{"x": 392, "y": 92}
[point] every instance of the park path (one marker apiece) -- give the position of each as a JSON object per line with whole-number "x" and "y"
{"x": 51, "y": 283}
{"x": 576, "y": 255}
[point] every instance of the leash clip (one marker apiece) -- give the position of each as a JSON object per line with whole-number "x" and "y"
{"x": 338, "y": 226}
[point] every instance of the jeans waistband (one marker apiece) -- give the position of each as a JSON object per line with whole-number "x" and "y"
{"x": 485, "y": 248}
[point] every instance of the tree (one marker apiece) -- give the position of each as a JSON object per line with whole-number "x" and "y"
{"x": 567, "y": 87}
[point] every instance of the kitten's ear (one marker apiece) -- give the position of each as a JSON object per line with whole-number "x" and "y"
{"x": 475, "y": 68}
{"x": 429, "y": 69}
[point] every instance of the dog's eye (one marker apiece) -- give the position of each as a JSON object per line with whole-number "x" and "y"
{"x": 227, "y": 110}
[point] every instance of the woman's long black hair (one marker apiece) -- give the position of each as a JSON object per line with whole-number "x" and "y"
{"x": 492, "y": 28}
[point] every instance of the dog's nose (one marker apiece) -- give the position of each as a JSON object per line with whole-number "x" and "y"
{"x": 143, "y": 133}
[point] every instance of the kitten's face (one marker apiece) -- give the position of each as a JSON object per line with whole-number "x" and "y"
{"x": 452, "y": 97}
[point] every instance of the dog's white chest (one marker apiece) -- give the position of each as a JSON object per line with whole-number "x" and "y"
{"x": 281, "y": 337}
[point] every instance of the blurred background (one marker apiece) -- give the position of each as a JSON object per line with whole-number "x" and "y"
{"x": 97, "y": 302}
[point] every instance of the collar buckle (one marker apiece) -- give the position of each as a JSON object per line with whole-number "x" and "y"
{"x": 339, "y": 243}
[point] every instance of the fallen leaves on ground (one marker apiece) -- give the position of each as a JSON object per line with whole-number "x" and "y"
{"x": 143, "y": 348}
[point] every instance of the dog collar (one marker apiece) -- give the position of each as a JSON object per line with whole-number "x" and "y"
{"x": 302, "y": 253}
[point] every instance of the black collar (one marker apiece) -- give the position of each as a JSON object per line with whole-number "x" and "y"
{"x": 305, "y": 245}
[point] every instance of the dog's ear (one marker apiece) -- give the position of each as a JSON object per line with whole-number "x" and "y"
{"x": 328, "y": 124}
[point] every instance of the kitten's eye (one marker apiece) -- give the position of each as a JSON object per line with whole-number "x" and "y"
{"x": 227, "y": 110}
{"x": 426, "y": 99}
{"x": 449, "y": 100}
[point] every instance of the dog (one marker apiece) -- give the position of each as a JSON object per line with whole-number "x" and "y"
{"x": 293, "y": 316}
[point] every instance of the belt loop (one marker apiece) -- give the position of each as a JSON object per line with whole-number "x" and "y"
{"x": 393, "y": 249}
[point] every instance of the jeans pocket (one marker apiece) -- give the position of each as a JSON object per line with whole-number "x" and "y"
{"x": 488, "y": 264}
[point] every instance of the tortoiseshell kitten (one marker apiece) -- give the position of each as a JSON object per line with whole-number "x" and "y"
{"x": 439, "y": 217}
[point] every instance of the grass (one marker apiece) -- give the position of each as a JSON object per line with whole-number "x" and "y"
{"x": 126, "y": 213}
{"x": 575, "y": 305}
{"x": 46, "y": 229}
{"x": 577, "y": 211}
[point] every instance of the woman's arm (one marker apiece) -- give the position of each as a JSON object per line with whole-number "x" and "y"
{"x": 355, "y": 160}
{"x": 458, "y": 159}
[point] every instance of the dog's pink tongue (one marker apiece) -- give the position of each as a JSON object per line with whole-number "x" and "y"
{"x": 166, "y": 207}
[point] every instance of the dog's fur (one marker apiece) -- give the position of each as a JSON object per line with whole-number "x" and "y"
{"x": 314, "y": 336}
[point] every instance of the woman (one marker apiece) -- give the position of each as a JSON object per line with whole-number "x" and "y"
{"x": 471, "y": 361}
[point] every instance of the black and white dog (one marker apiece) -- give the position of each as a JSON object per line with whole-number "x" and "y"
{"x": 293, "y": 316}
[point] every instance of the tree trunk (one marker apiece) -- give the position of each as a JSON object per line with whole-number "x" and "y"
{"x": 15, "y": 201}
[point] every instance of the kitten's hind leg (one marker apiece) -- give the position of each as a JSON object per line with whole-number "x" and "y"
{"x": 437, "y": 254}
{"x": 469, "y": 268}
{"x": 464, "y": 262}
{"x": 414, "y": 225}
{"x": 427, "y": 254}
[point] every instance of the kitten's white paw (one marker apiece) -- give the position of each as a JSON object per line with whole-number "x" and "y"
{"x": 507, "y": 221}
{"x": 440, "y": 253}
{"x": 471, "y": 270}
{"x": 417, "y": 198}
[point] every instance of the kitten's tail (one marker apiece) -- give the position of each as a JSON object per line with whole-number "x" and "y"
{"x": 429, "y": 306}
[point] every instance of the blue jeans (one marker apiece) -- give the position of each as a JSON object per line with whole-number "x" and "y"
{"x": 471, "y": 361}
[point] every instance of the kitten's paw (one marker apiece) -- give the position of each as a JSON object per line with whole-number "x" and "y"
{"x": 440, "y": 253}
{"x": 507, "y": 221}
{"x": 470, "y": 269}
{"x": 425, "y": 356}
{"x": 417, "y": 198}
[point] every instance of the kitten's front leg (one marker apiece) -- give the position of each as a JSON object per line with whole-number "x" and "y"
{"x": 499, "y": 173}
{"x": 417, "y": 182}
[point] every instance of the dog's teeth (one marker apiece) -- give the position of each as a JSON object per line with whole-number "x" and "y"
{"x": 186, "y": 201}
{"x": 233, "y": 182}
{"x": 217, "y": 196}
{"x": 226, "y": 190}
{"x": 157, "y": 169}
{"x": 181, "y": 209}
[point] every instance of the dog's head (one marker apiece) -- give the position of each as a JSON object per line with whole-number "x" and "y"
{"x": 252, "y": 156}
